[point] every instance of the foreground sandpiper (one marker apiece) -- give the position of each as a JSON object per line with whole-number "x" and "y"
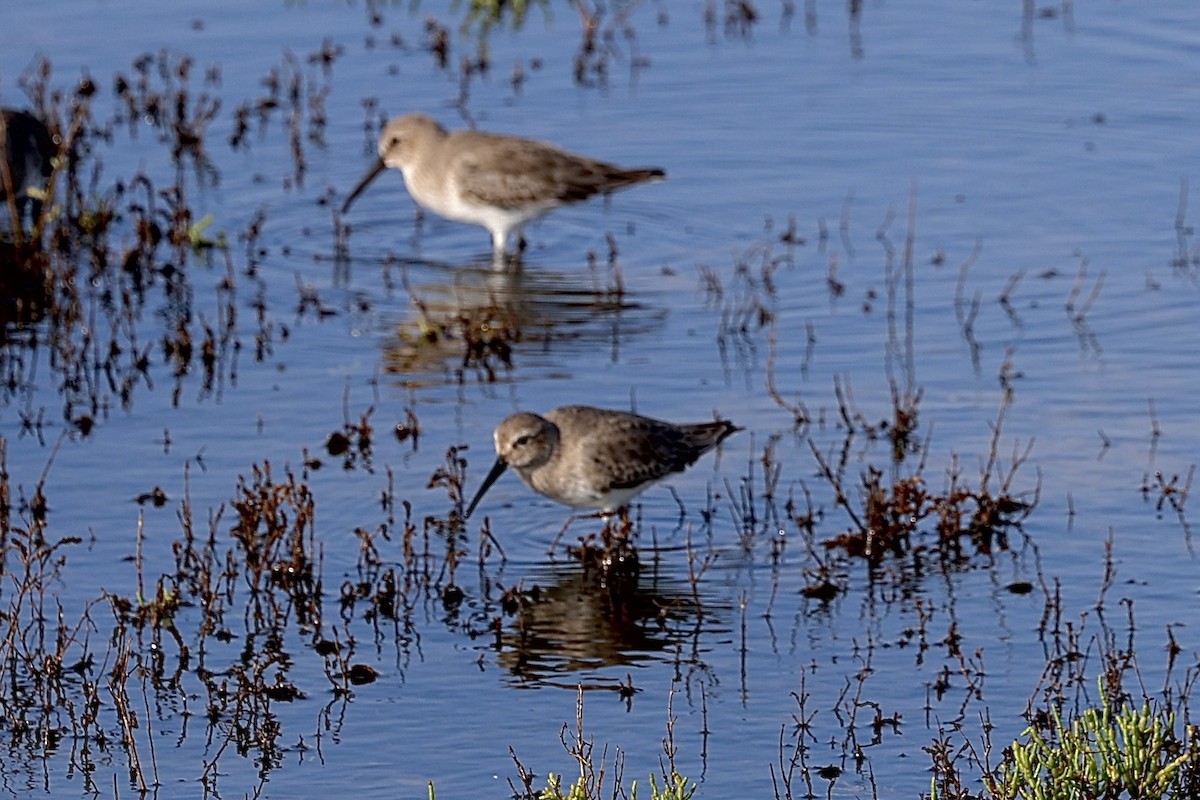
{"x": 499, "y": 182}
{"x": 29, "y": 150}
{"x": 594, "y": 458}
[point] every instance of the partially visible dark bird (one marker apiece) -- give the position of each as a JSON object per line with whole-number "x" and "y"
{"x": 29, "y": 152}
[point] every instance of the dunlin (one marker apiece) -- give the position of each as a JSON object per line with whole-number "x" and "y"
{"x": 499, "y": 182}
{"x": 28, "y": 152}
{"x": 595, "y": 458}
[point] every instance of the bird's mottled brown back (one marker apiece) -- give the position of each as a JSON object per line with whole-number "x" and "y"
{"x": 514, "y": 173}
{"x": 635, "y": 450}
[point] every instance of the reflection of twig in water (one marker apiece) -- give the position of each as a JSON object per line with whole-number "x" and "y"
{"x": 1186, "y": 256}
{"x": 1171, "y": 493}
{"x": 486, "y": 541}
{"x": 799, "y": 412}
{"x": 1005, "y": 299}
{"x": 695, "y": 573}
{"x": 1078, "y": 313}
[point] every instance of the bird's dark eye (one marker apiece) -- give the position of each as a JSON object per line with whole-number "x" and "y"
{"x": 395, "y": 141}
{"x": 522, "y": 440}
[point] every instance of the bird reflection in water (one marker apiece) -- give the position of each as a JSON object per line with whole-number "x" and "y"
{"x": 471, "y": 319}
{"x": 577, "y": 623}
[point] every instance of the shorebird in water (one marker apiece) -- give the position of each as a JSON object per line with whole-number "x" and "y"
{"x": 594, "y": 458}
{"x": 496, "y": 181}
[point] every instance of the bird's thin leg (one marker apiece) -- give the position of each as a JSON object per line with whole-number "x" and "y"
{"x": 500, "y": 256}
{"x": 499, "y": 244}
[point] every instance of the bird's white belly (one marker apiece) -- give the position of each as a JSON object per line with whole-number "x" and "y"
{"x": 490, "y": 217}
{"x": 442, "y": 195}
{"x": 579, "y": 492}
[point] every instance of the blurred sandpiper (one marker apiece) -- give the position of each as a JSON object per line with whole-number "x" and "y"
{"x": 593, "y": 458}
{"x": 499, "y": 182}
{"x": 29, "y": 150}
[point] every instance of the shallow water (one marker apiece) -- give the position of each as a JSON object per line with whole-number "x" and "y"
{"x": 1043, "y": 168}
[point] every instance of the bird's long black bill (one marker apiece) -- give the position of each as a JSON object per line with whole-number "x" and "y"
{"x": 371, "y": 175}
{"x": 497, "y": 470}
